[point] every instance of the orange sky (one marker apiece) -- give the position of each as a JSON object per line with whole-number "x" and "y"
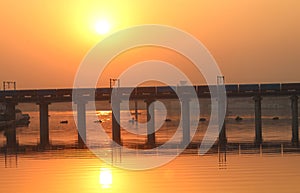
{"x": 43, "y": 42}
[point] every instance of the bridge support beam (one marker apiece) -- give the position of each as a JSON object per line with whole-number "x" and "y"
{"x": 222, "y": 134}
{"x": 295, "y": 126}
{"x": 116, "y": 129}
{"x": 44, "y": 124}
{"x": 136, "y": 110}
{"x": 185, "y": 114}
{"x": 150, "y": 123}
{"x": 81, "y": 124}
{"x": 10, "y": 133}
{"x": 258, "y": 122}
{"x": 222, "y": 127}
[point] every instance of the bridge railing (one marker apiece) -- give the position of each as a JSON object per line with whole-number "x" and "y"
{"x": 291, "y": 87}
{"x": 141, "y": 92}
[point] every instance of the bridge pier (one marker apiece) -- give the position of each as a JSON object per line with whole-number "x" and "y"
{"x": 136, "y": 110}
{"x": 222, "y": 128}
{"x": 258, "y": 122}
{"x": 222, "y": 134}
{"x": 185, "y": 114}
{"x": 10, "y": 133}
{"x": 150, "y": 123}
{"x": 116, "y": 129}
{"x": 295, "y": 126}
{"x": 81, "y": 123}
{"x": 44, "y": 124}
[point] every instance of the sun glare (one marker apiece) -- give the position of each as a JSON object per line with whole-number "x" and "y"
{"x": 102, "y": 27}
{"x": 105, "y": 177}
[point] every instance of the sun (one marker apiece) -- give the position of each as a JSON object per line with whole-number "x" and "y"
{"x": 102, "y": 27}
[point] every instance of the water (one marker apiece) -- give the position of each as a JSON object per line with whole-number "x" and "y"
{"x": 74, "y": 170}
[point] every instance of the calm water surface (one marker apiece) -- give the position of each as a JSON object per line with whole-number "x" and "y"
{"x": 79, "y": 171}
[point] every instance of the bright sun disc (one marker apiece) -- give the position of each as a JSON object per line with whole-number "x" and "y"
{"x": 102, "y": 27}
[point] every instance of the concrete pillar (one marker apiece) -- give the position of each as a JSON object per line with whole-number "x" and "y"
{"x": 222, "y": 134}
{"x": 44, "y": 124}
{"x": 116, "y": 129}
{"x": 222, "y": 110}
{"x": 81, "y": 123}
{"x": 185, "y": 114}
{"x": 10, "y": 133}
{"x": 258, "y": 122}
{"x": 150, "y": 123}
{"x": 136, "y": 109}
{"x": 295, "y": 126}
{"x": 222, "y": 128}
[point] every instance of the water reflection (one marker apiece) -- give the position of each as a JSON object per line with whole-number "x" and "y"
{"x": 105, "y": 177}
{"x": 11, "y": 160}
{"x": 79, "y": 171}
{"x": 222, "y": 154}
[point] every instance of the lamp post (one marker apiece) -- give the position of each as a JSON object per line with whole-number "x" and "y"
{"x": 112, "y": 82}
{"x": 7, "y": 85}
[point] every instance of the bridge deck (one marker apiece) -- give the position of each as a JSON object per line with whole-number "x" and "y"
{"x": 160, "y": 92}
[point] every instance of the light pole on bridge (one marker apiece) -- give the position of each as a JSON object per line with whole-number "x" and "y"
{"x": 112, "y": 82}
{"x": 7, "y": 85}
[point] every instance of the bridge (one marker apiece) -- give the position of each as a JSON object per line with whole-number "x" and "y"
{"x": 159, "y": 92}
{"x": 44, "y": 97}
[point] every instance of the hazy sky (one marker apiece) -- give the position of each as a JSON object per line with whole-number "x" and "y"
{"x": 43, "y": 42}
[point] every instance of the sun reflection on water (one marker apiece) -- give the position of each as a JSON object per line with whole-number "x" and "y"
{"x": 105, "y": 177}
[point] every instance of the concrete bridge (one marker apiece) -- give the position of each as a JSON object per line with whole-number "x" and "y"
{"x": 44, "y": 97}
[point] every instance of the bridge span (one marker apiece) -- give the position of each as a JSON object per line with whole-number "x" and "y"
{"x": 44, "y": 97}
